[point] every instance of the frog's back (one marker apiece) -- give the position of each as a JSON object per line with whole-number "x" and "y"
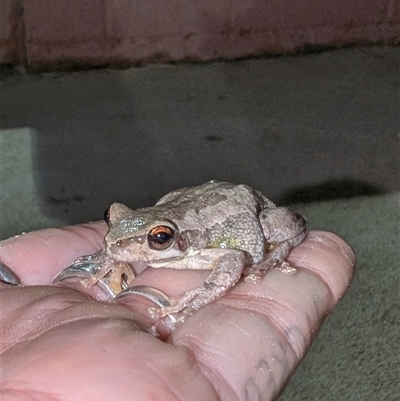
{"x": 213, "y": 192}
{"x": 224, "y": 213}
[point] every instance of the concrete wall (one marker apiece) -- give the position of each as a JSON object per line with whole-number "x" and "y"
{"x": 47, "y": 34}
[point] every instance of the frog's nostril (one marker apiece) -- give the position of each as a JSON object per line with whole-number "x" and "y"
{"x": 119, "y": 243}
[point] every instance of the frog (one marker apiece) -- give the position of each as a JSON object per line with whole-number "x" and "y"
{"x": 229, "y": 229}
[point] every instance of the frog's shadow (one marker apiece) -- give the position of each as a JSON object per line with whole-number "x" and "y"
{"x": 328, "y": 190}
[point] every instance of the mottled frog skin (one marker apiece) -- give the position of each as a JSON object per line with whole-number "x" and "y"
{"x": 217, "y": 226}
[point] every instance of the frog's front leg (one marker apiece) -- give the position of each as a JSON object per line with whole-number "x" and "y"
{"x": 227, "y": 265}
{"x": 283, "y": 230}
{"x": 226, "y": 273}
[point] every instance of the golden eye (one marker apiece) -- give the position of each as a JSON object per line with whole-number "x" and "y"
{"x": 160, "y": 237}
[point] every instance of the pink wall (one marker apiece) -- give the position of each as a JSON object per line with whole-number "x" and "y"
{"x": 52, "y": 33}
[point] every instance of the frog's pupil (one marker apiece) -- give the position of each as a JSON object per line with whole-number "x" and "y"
{"x": 162, "y": 237}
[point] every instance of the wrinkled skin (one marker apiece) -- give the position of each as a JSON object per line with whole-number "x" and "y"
{"x": 57, "y": 343}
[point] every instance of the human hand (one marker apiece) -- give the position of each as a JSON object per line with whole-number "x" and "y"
{"x": 58, "y": 343}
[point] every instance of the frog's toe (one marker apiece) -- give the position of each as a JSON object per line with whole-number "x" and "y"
{"x": 156, "y": 296}
{"x": 184, "y": 305}
{"x": 8, "y": 276}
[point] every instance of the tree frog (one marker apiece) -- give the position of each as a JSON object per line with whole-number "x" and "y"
{"x": 218, "y": 226}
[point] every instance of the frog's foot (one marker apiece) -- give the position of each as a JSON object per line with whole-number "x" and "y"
{"x": 283, "y": 230}
{"x": 274, "y": 258}
{"x": 8, "y": 276}
{"x": 99, "y": 269}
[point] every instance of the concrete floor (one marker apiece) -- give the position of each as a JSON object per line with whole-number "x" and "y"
{"x": 316, "y": 129}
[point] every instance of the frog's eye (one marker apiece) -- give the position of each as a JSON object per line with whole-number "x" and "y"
{"x": 160, "y": 237}
{"x": 106, "y": 215}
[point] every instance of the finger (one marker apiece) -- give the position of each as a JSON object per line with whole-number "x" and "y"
{"x": 254, "y": 337}
{"x": 38, "y": 256}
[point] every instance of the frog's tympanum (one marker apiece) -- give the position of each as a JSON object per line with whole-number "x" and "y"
{"x": 218, "y": 226}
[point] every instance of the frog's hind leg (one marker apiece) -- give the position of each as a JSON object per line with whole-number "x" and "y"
{"x": 283, "y": 230}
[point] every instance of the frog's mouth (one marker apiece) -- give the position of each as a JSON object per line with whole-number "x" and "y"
{"x": 167, "y": 262}
{"x": 180, "y": 261}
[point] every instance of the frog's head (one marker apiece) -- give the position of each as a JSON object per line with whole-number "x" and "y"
{"x": 142, "y": 235}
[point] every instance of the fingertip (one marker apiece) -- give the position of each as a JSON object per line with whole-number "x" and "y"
{"x": 37, "y": 256}
{"x": 328, "y": 256}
